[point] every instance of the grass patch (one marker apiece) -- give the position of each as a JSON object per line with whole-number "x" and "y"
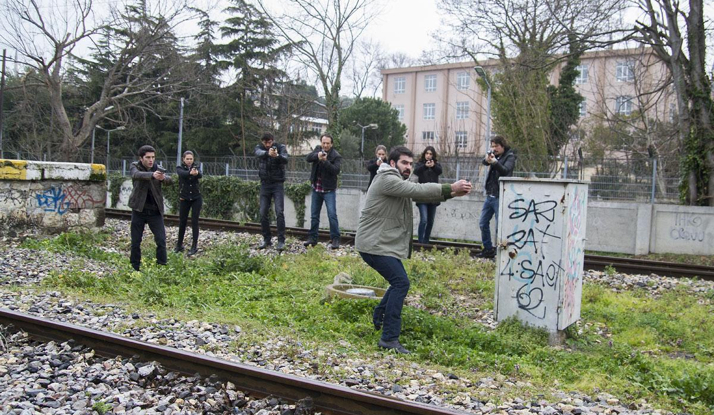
{"x": 628, "y": 343}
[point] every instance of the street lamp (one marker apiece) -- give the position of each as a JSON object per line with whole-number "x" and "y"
{"x": 482, "y": 73}
{"x": 364, "y": 127}
{"x": 108, "y": 140}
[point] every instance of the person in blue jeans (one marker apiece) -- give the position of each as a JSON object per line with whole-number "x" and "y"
{"x": 384, "y": 235}
{"x": 427, "y": 170}
{"x": 326, "y": 162}
{"x": 501, "y": 161}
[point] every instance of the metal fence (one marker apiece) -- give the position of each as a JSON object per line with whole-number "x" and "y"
{"x": 611, "y": 179}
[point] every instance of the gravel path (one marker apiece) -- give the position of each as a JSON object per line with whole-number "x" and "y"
{"x": 32, "y": 374}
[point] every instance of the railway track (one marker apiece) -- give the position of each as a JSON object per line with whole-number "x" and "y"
{"x": 594, "y": 262}
{"x": 327, "y": 398}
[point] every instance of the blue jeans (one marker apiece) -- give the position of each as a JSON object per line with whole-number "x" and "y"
{"x": 268, "y": 192}
{"x": 490, "y": 208}
{"x": 330, "y": 199}
{"x": 389, "y": 310}
{"x": 427, "y": 212}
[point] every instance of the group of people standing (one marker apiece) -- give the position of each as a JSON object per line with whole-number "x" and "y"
{"x": 384, "y": 233}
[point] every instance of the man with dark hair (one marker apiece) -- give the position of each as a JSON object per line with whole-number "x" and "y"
{"x": 326, "y": 163}
{"x": 272, "y": 159}
{"x": 384, "y": 234}
{"x": 147, "y": 205}
{"x": 501, "y": 161}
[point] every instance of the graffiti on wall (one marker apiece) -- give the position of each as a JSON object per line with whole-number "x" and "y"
{"x": 61, "y": 199}
{"x": 533, "y": 266}
{"x": 688, "y": 227}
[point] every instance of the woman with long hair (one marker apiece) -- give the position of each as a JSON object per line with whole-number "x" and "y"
{"x": 189, "y": 199}
{"x": 428, "y": 170}
{"x": 380, "y": 156}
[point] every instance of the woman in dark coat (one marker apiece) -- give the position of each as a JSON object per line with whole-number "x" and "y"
{"x": 380, "y": 156}
{"x": 189, "y": 199}
{"x": 427, "y": 170}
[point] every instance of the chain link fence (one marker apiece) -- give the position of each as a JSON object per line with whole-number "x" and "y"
{"x": 614, "y": 179}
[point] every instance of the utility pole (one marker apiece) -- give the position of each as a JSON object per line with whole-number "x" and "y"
{"x": 2, "y": 93}
{"x": 180, "y": 137}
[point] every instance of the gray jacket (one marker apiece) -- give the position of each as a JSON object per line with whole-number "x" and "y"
{"x": 386, "y": 223}
{"x": 143, "y": 180}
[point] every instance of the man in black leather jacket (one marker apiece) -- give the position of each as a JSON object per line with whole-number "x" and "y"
{"x": 501, "y": 161}
{"x": 326, "y": 162}
{"x": 272, "y": 159}
{"x": 147, "y": 205}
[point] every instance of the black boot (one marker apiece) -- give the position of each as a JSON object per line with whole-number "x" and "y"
{"x": 194, "y": 249}
{"x": 179, "y": 248}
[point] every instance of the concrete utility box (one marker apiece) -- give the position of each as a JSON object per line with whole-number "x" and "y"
{"x": 541, "y": 239}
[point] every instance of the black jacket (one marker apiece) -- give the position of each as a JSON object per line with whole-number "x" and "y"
{"x": 144, "y": 182}
{"x": 428, "y": 174}
{"x": 503, "y": 167}
{"x": 327, "y": 170}
{"x": 188, "y": 184}
{"x": 271, "y": 169}
{"x": 372, "y": 168}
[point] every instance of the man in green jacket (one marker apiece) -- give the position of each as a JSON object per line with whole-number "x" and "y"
{"x": 384, "y": 234}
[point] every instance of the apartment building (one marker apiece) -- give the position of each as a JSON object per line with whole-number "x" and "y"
{"x": 443, "y": 105}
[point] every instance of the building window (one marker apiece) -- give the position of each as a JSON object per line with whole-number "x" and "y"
{"x": 429, "y": 111}
{"x": 427, "y": 135}
{"x": 400, "y": 85}
{"x": 625, "y": 71}
{"x": 430, "y": 83}
{"x": 583, "y": 75}
{"x": 461, "y": 139}
{"x": 400, "y": 108}
{"x": 462, "y": 81}
{"x": 462, "y": 110}
{"x": 582, "y": 109}
{"x": 623, "y": 105}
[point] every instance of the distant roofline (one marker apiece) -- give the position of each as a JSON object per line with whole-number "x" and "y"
{"x": 495, "y": 62}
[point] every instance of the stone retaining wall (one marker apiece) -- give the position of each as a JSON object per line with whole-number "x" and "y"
{"x": 50, "y": 197}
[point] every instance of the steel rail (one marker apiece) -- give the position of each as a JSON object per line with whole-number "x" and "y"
{"x": 328, "y": 398}
{"x": 594, "y": 262}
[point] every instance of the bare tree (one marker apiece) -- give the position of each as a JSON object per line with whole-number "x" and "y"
{"x": 364, "y": 69}
{"x": 676, "y": 32}
{"x": 137, "y": 62}
{"x": 324, "y": 35}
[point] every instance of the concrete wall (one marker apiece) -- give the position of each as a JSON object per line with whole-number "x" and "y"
{"x": 50, "y": 197}
{"x": 628, "y": 228}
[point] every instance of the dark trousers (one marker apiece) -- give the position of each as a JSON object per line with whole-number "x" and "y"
{"x": 195, "y": 207}
{"x": 427, "y": 212}
{"x": 490, "y": 208}
{"x": 274, "y": 191}
{"x": 389, "y": 310}
{"x": 330, "y": 199}
{"x": 156, "y": 224}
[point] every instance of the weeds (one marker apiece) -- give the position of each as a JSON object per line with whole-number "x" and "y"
{"x": 627, "y": 343}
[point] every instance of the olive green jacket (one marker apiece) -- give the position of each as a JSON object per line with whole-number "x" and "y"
{"x": 386, "y": 223}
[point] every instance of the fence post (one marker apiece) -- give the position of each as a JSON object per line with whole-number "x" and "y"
{"x": 565, "y": 168}
{"x": 654, "y": 179}
{"x": 123, "y": 168}
{"x": 227, "y": 168}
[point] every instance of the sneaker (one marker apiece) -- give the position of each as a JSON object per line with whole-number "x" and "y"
{"x": 393, "y": 345}
{"x": 488, "y": 253}
{"x": 310, "y": 242}
{"x": 280, "y": 246}
{"x": 335, "y": 243}
{"x": 265, "y": 244}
